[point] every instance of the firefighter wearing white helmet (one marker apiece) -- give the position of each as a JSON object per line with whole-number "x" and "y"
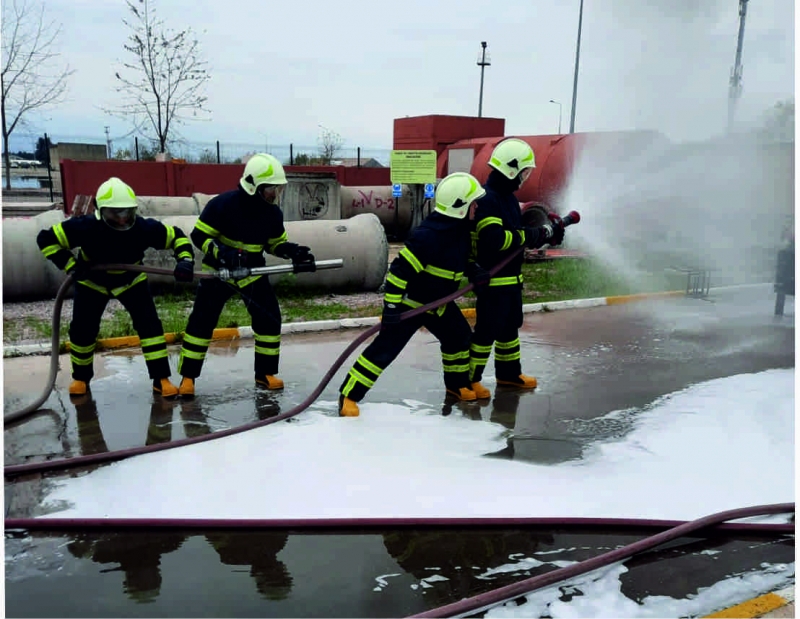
{"x": 513, "y": 157}
{"x": 264, "y": 174}
{"x": 499, "y": 232}
{"x": 431, "y": 265}
{"x": 115, "y": 235}
{"x": 234, "y": 231}
{"x": 116, "y": 204}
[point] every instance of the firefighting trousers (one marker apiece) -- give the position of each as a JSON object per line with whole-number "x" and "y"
{"x": 87, "y": 310}
{"x": 498, "y": 317}
{"x": 451, "y": 329}
{"x": 262, "y": 304}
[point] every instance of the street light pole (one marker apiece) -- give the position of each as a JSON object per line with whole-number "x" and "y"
{"x": 575, "y": 80}
{"x": 559, "y": 114}
{"x": 483, "y": 62}
{"x": 735, "y": 88}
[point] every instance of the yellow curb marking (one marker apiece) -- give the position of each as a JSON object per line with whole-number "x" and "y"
{"x": 752, "y": 608}
{"x": 232, "y": 333}
{"x": 627, "y": 298}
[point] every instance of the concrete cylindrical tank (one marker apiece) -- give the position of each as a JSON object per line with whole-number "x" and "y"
{"x": 27, "y": 274}
{"x": 360, "y": 241}
{"x": 150, "y": 206}
{"x": 393, "y": 213}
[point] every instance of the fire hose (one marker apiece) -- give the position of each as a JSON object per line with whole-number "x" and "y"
{"x": 223, "y": 274}
{"x": 65, "y": 463}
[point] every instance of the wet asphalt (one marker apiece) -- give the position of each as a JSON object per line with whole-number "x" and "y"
{"x": 588, "y": 362}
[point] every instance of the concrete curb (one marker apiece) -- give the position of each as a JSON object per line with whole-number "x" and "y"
{"x": 236, "y": 333}
{"x": 761, "y": 606}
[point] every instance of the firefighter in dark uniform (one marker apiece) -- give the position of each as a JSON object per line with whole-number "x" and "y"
{"x": 233, "y": 231}
{"x": 498, "y": 232}
{"x": 429, "y": 267}
{"x": 115, "y": 235}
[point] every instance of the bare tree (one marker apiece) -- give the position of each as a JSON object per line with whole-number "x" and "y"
{"x": 166, "y": 79}
{"x": 330, "y": 143}
{"x": 30, "y": 77}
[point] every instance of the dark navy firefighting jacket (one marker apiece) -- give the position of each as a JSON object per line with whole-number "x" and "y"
{"x": 101, "y": 244}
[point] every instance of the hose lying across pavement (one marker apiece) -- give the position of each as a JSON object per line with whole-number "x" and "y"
{"x": 65, "y": 463}
{"x": 671, "y": 530}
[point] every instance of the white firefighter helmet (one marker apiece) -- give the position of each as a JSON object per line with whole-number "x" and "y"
{"x": 510, "y": 157}
{"x": 262, "y": 169}
{"x": 456, "y": 192}
{"x": 116, "y": 204}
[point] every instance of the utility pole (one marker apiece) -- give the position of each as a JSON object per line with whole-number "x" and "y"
{"x": 108, "y": 144}
{"x": 575, "y": 79}
{"x": 735, "y": 88}
{"x": 483, "y": 62}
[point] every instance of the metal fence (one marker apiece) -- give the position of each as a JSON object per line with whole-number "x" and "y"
{"x": 220, "y": 151}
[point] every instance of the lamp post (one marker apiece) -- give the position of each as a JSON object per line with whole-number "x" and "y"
{"x": 483, "y": 62}
{"x": 575, "y": 79}
{"x": 559, "y": 114}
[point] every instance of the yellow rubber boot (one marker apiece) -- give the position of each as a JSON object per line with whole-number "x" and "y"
{"x": 348, "y": 408}
{"x": 78, "y": 387}
{"x": 467, "y": 395}
{"x": 523, "y": 382}
{"x": 269, "y": 381}
{"x": 186, "y": 387}
{"x": 481, "y": 392}
{"x": 164, "y": 387}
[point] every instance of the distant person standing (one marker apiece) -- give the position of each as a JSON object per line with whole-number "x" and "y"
{"x": 233, "y": 231}
{"x": 498, "y": 232}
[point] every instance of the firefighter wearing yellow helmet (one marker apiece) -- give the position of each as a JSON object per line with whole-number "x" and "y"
{"x": 498, "y": 232}
{"x": 234, "y": 231}
{"x": 115, "y": 235}
{"x": 429, "y": 267}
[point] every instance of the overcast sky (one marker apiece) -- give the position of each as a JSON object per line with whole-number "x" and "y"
{"x": 279, "y": 70}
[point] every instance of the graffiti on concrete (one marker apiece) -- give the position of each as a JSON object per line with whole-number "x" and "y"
{"x": 313, "y": 200}
{"x": 371, "y": 200}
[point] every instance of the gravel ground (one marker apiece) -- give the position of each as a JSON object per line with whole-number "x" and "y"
{"x": 43, "y": 310}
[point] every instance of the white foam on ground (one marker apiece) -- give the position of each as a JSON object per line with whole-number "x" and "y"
{"x": 719, "y": 445}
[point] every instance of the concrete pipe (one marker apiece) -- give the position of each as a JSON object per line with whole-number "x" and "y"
{"x": 27, "y": 274}
{"x": 393, "y": 213}
{"x": 151, "y": 206}
{"x": 360, "y": 241}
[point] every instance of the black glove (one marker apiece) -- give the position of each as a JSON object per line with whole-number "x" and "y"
{"x": 536, "y": 237}
{"x": 287, "y": 250}
{"x": 303, "y": 260}
{"x": 391, "y": 314}
{"x": 184, "y": 271}
{"x": 558, "y": 230}
{"x": 80, "y": 270}
{"x": 477, "y": 275}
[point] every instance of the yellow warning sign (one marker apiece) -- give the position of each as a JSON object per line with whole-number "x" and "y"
{"x": 413, "y": 166}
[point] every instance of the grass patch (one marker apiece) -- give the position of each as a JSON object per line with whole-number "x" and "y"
{"x": 27, "y": 328}
{"x": 554, "y": 280}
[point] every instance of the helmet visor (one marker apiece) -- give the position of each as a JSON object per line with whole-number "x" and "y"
{"x": 271, "y": 193}
{"x": 119, "y": 218}
{"x": 524, "y": 175}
